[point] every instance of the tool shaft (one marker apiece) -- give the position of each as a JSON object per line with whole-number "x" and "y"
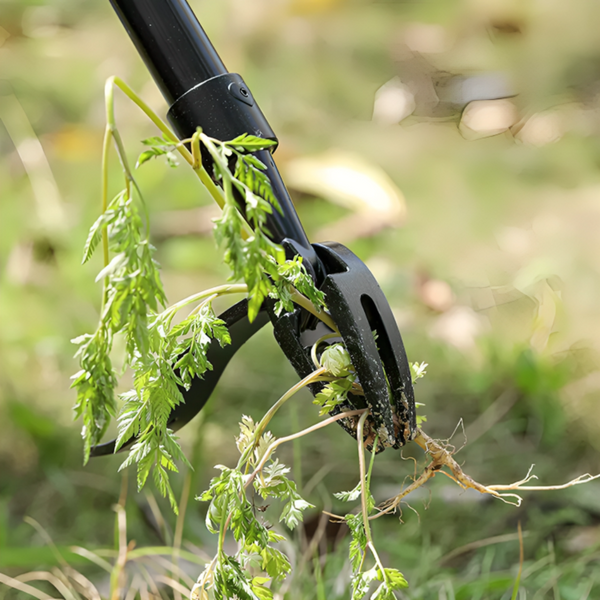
{"x": 201, "y": 92}
{"x": 171, "y": 42}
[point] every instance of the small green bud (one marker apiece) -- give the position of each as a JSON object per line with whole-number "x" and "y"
{"x": 336, "y": 360}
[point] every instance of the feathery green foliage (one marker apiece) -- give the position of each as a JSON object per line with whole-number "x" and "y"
{"x": 165, "y": 357}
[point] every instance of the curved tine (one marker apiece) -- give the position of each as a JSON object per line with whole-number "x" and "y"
{"x": 241, "y": 330}
{"x": 395, "y": 363}
{"x": 361, "y": 311}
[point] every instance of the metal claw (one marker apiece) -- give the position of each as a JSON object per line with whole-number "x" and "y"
{"x": 369, "y": 331}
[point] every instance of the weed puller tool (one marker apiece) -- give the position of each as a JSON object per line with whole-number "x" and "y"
{"x": 202, "y": 93}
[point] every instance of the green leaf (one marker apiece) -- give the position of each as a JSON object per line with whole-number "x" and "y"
{"x": 274, "y": 562}
{"x": 261, "y": 592}
{"x": 418, "y": 370}
{"x": 263, "y": 445}
{"x": 145, "y": 157}
{"x": 250, "y": 143}
{"x": 350, "y": 496}
{"x": 94, "y": 237}
{"x": 291, "y": 274}
{"x": 95, "y": 384}
{"x": 158, "y": 146}
{"x": 358, "y": 543}
{"x": 232, "y": 582}
{"x": 292, "y": 511}
{"x": 394, "y": 579}
{"x": 131, "y": 417}
{"x": 161, "y": 479}
{"x": 333, "y": 394}
{"x": 158, "y": 141}
{"x": 275, "y": 537}
{"x": 274, "y": 481}
{"x": 361, "y": 583}
{"x": 247, "y": 429}
{"x": 113, "y": 266}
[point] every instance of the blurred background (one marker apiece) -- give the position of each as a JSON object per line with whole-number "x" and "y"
{"x": 455, "y": 147}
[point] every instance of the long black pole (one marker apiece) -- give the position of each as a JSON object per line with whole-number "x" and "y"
{"x": 201, "y": 92}
{"x": 171, "y": 42}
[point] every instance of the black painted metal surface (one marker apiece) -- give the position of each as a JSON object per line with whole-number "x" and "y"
{"x": 368, "y": 329}
{"x": 201, "y": 92}
{"x": 171, "y": 42}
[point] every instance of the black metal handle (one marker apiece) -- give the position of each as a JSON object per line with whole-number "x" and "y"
{"x": 201, "y": 92}
{"x": 171, "y": 42}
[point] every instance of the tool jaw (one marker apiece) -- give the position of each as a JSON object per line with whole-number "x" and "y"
{"x": 368, "y": 330}
{"x": 296, "y": 343}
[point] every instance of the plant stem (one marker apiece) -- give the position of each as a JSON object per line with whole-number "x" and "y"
{"x": 203, "y": 303}
{"x": 209, "y": 143}
{"x": 289, "y": 438}
{"x": 306, "y": 304}
{"x": 363, "y": 480}
{"x": 112, "y": 125}
{"x": 313, "y": 350}
{"x": 260, "y": 428}
{"x": 372, "y": 462}
{"x": 105, "y": 254}
{"x": 118, "y": 82}
{"x": 225, "y": 518}
{"x": 105, "y": 151}
{"x": 377, "y": 560}
{"x": 238, "y": 288}
{"x": 200, "y": 171}
{"x": 192, "y": 158}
